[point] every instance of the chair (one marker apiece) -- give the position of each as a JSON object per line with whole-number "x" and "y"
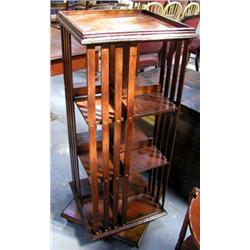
{"x": 124, "y": 4}
{"x": 193, "y": 21}
{"x": 149, "y": 54}
{"x": 155, "y": 7}
{"x": 192, "y": 219}
{"x": 184, "y": 3}
{"x": 139, "y": 5}
{"x": 173, "y": 11}
{"x": 191, "y": 10}
{"x": 195, "y": 49}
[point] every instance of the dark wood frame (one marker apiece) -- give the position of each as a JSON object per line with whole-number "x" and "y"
{"x": 106, "y": 210}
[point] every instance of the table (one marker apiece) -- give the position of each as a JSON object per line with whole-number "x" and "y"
{"x": 78, "y": 53}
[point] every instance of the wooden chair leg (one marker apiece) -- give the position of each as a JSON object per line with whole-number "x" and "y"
{"x": 182, "y": 232}
{"x": 197, "y": 60}
{"x": 188, "y": 57}
{"x": 193, "y": 194}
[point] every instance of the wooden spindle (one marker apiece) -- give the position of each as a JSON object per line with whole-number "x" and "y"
{"x": 117, "y": 128}
{"x": 163, "y": 64}
{"x": 68, "y": 83}
{"x": 92, "y": 134}
{"x": 129, "y": 127}
{"x": 105, "y": 129}
{"x": 182, "y": 71}
{"x": 170, "y": 53}
{"x": 176, "y": 70}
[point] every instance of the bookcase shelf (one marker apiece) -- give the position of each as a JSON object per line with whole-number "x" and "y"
{"x": 151, "y": 104}
{"x": 144, "y": 159}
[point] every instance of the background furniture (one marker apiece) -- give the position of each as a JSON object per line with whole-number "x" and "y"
{"x": 149, "y": 54}
{"x": 78, "y": 54}
{"x": 192, "y": 219}
{"x": 155, "y": 8}
{"x": 127, "y": 169}
{"x": 173, "y": 10}
{"x": 193, "y": 21}
{"x": 191, "y": 9}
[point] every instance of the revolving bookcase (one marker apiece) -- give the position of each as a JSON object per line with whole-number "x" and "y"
{"x": 127, "y": 169}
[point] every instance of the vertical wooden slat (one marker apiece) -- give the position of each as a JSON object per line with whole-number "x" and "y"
{"x": 129, "y": 126}
{"x": 172, "y": 134}
{"x": 170, "y": 53}
{"x": 149, "y": 181}
{"x": 159, "y": 183}
{"x": 182, "y": 71}
{"x": 170, "y": 148}
{"x": 117, "y": 128}
{"x": 155, "y": 171}
{"x": 126, "y": 67}
{"x": 105, "y": 129}
{"x": 112, "y": 65}
{"x": 164, "y": 183}
{"x": 158, "y": 121}
{"x": 163, "y": 64}
{"x": 176, "y": 70}
{"x": 170, "y": 50}
{"x": 68, "y": 83}
{"x": 92, "y": 134}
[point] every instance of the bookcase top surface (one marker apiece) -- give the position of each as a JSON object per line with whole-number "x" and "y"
{"x": 107, "y": 26}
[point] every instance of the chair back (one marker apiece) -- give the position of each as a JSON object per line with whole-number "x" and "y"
{"x": 191, "y": 10}
{"x": 173, "y": 11}
{"x": 139, "y": 5}
{"x": 124, "y": 4}
{"x": 155, "y": 7}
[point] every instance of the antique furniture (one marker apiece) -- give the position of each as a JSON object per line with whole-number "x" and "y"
{"x": 149, "y": 54}
{"x": 78, "y": 54}
{"x": 193, "y": 21}
{"x": 173, "y": 10}
{"x": 195, "y": 49}
{"x": 154, "y": 7}
{"x": 191, "y": 9}
{"x": 192, "y": 219}
{"x": 141, "y": 4}
{"x": 127, "y": 168}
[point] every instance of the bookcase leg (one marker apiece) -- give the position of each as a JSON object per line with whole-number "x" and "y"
{"x": 68, "y": 83}
{"x": 92, "y": 134}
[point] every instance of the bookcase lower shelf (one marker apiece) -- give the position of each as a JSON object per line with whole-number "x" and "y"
{"x": 131, "y": 236}
{"x": 141, "y": 209}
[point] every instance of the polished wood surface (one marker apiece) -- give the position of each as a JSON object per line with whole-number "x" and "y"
{"x": 194, "y": 219}
{"x": 121, "y": 25}
{"x": 56, "y": 45}
{"x": 78, "y": 53}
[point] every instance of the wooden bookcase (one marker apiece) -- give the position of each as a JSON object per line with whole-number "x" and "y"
{"x": 127, "y": 170}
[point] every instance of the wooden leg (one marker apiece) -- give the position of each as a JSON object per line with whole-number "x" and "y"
{"x": 182, "y": 232}
{"x": 117, "y": 127}
{"x": 92, "y": 133}
{"x": 105, "y": 130}
{"x": 197, "y": 60}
